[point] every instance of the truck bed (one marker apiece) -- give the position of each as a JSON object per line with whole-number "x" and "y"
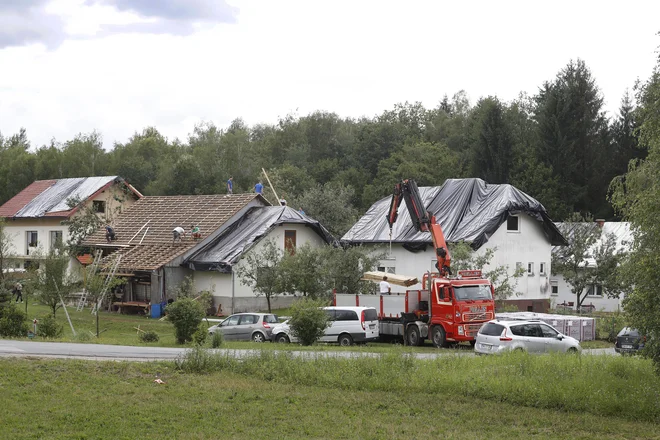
{"x": 387, "y": 306}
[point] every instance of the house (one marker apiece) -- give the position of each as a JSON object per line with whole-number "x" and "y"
{"x": 230, "y": 226}
{"x": 34, "y": 217}
{"x": 486, "y": 216}
{"x": 560, "y": 293}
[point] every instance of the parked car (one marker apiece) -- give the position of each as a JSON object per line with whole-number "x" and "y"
{"x": 629, "y": 341}
{"x": 348, "y": 325}
{"x": 255, "y": 327}
{"x": 533, "y": 336}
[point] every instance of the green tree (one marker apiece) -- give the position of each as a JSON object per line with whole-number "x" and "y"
{"x": 82, "y": 224}
{"x": 53, "y": 283}
{"x": 186, "y": 315}
{"x": 301, "y": 271}
{"x": 6, "y": 258}
{"x": 308, "y": 320}
{"x": 330, "y": 204}
{"x": 84, "y": 156}
{"x": 625, "y": 139}
{"x": 260, "y": 270}
{"x": 589, "y": 260}
{"x": 343, "y": 268}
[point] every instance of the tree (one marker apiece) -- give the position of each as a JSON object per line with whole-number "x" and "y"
{"x": 186, "y": 315}
{"x": 590, "y": 261}
{"x": 330, "y": 204}
{"x": 308, "y": 320}
{"x": 343, "y": 268}
{"x": 637, "y": 197}
{"x": 6, "y": 255}
{"x": 52, "y": 283}
{"x": 626, "y": 146}
{"x": 260, "y": 270}
{"x": 504, "y": 283}
{"x": 82, "y": 224}
{"x": 301, "y": 271}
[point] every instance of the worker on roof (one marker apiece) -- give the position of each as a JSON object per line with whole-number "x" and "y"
{"x": 177, "y": 233}
{"x": 195, "y": 233}
{"x": 230, "y": 186}
{"x": 259, "y": 188}
{"x": 109, "y": 234}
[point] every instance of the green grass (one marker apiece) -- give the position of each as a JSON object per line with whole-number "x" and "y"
{"x": 51, "y": 399}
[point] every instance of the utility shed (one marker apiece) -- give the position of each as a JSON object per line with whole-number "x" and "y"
{"x": 581, "y": 328}
{"x": 487, "y": 216}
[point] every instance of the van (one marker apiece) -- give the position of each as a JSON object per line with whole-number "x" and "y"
{"x": 348, "y": 325}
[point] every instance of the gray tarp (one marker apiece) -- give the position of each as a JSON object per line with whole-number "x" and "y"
{"x": 469, "y": 210}
{"x": 227, "y": 248}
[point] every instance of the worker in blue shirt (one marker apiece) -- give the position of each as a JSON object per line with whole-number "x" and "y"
{"x": 230, "y": 186}
{"x": 259, "y": 188}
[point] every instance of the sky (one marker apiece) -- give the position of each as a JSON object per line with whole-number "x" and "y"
{"x": 118, "y": 66}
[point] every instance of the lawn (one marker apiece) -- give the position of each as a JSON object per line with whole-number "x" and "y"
{"x": 54, "y": 399}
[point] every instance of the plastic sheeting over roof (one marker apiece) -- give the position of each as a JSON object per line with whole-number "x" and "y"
{"x": 226, "y": 250}
{"x": 469, "y": 210}
{"x": 54, "y": 198}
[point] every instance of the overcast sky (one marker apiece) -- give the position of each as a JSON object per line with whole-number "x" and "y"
{"x": 117, "y": 66}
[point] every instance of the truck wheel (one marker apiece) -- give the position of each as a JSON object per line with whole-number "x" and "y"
{"x": 345, "y": 340}
{"x": 412, "y": 336}
{"x": 439, "y": 337}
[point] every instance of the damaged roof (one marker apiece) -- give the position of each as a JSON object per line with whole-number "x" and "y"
{"x": 227, "y": 248}
{"x": 144, "y": 230}
{"x": 469, "y": 210}
{"x": 49, "y": 198}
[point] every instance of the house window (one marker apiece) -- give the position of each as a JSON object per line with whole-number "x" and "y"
{"x": 31, "y": 265}
{"x": 99, "y": 206}
{"x": 290, "y": 241}
{"x": 542, "y": 269}
{"x": 555, "y": 289}
{"x": 512, "y": 224}
{"x": 595, "y": 290}
{"x": 530, "y": 269}
{"x": 55, "y": 239}
{"x": 31, "y": 241}
{"x": 388, "y": 265}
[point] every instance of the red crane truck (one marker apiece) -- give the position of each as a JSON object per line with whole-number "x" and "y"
{"x": 449, "y": 309}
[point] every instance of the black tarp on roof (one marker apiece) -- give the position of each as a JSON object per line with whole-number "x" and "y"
{"x": 469, "y": 210}
{"x": 227, "y": 248}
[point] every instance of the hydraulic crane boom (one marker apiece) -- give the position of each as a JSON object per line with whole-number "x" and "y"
{"x": 423, "y": 221}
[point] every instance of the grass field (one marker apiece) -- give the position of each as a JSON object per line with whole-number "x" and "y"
{"x": 281, "y": 398}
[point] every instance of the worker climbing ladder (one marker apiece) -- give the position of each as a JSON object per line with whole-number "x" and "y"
{"x": 82, "y": 302}
{"x": 106, "y": 284}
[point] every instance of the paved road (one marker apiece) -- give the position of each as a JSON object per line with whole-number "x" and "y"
{"x": 122, "y": 352}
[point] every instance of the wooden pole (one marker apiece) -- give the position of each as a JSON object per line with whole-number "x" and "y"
{"x": 139, "y": 230}
{"x": 271, "y": 186}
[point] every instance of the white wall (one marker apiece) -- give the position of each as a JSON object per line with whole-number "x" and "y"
{"x": 243, "y": 298}
{"x": 564, "y": 295}
{"x": 529, "y": 245}
{"x": 17, "y": 231}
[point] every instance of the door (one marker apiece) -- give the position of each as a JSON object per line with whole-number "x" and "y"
{"x": 346, "y": 321}
{"x": 246, "y": 326}
{"x": 552, "y": 344}
{"x": 228, "y": 327}
{"x": 531, "y": 337}
{"x": 330, "y": 334}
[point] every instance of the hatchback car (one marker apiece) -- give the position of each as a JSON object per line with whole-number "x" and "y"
{"x": 347, "y": 325}
{"x": 629, "y": 341}
{"x": 498, "y": 336}
{"x": 255, "y": 327}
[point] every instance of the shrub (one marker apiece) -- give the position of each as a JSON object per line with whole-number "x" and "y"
{"x": 48, "y": 327}
{"x": 199, "y": 360}
{"x": 199, "y": 337}
{"x": 185, "y": 314}
{"x": 308, "y": 321}
{"x": 217, "y": 340}
{"x": 12, "y": 321}
{"x": 148, "y": 336}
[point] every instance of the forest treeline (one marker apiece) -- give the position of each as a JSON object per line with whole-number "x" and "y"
{"x": 558, "y": 146}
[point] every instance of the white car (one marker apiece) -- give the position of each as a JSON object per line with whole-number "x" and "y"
{"x": 348, "y": 325}
{"x": 533, "y": 336}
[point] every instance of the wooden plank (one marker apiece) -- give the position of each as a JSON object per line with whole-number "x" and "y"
{"x": 399, "y": 280}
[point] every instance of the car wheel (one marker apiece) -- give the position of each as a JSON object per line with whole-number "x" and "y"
{"x": 412, "y": 336}
{"x": 439, "y": 336}
{"x": 282, "y": 339}
{"x": 572, "y": 350}
{"x": 258, "y": 337}
{"x": 345, "y": 340}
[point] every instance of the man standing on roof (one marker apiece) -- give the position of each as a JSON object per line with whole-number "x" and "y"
{"x": 230, "y": 186}
{"x": 385, "y": 288}
{"x": 177, "y": 233}
{"x": 259, "y": 188}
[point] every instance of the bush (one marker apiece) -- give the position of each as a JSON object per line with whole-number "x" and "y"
{"x": 217, "y": 340}
{"x": 199, "y": 360}
{"x": 199, "y": 337}
{"x": 12, "y": 321}
{"x": 148, "y": 336}
{"x": 185, "y": 314}
{"x": 48, "y": 327}
{"x": 308, "y": 321}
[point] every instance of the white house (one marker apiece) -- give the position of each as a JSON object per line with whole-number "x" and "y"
{"x": 231, "y": 225}
{"x": 487, "y": 216}
{"x": 34, "y": 217}
{"x": 561, "y": 294}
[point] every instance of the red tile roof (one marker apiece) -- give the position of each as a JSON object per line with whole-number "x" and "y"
{"x": 16, "y": 203}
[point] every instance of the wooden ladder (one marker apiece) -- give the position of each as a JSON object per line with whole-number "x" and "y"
{"x": 106, "y": 284}
{"x": 82, "y": 302}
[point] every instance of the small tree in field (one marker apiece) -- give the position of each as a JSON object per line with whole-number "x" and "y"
{"x": 52, "y": 283}
{"x": 308, "y": 320}
{"x": 261, "y": 271}
{"x": 186, "y": 315}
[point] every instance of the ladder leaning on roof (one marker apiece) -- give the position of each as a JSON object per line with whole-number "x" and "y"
{"x": 82, "y": 302}
{"x": 106, "y": 284}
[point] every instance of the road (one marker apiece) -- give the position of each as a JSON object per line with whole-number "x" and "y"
{"x": 130, "y": 353}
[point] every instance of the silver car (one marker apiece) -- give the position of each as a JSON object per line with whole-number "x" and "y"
{"x": 533, "y": 336}
{"x": 255, "y": 327}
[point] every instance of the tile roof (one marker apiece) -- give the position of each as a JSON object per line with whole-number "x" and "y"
{"x": 144, "y": 230}
{"x": 49, "y": 198}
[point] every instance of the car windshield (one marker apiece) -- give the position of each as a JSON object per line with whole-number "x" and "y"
{"x": 481, "y": 291}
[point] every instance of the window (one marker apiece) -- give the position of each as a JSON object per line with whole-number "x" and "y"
{"x": 55, "y": 239}
{"x": 491, "y": 329}
{"x": 554, "y": 289}
{"x": 595, "y": 290}
{"x": 331, "y": 314}
{"x": 271, "y": 319}
{"x": 31, "y": 265}
{"x": 248, "y": 319}
{"x": 346, "y": 315}
{"x": 512, "y": 224}
{"x": 531, "y": 330}
{"x": 98, "y": 206}
{"x": 232, "y": 320}
{"x": 290, "y": 241}
{"x": 548, "y": 332}
{"x": 31, "y": 241}
{"x": 388, "y": 266}
{"x": 542, "y": 269}
{"x": 530, "y": 269}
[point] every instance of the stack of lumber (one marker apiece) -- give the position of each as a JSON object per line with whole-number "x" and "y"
{"x": 399, "y": 280}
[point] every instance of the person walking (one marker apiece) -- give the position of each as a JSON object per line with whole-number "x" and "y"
{"x": 385, "y": 288}
{"x": 230, "y": 186}
{"x": 19, "y": 291}
{"x": 259, "y": 188}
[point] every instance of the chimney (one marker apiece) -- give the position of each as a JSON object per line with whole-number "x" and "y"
{"x": 600, "y": 222}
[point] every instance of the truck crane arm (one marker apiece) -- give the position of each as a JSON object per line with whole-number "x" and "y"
{"x": 423, "y": 221}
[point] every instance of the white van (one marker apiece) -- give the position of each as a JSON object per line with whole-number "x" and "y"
{"x": 348, "y": 325}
